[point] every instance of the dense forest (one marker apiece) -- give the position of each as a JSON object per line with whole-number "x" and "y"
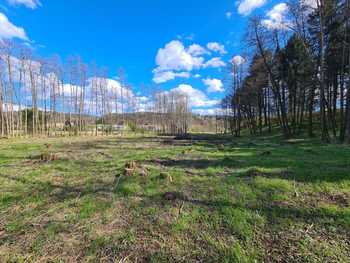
{"x": 298, "y": 73}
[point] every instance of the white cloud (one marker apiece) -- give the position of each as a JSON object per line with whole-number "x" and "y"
{"x": 214, "y": 85}
{"x": 113, "y": 90}
{"x": 197, "y": 50}
{"x": 143, "y": 99}
{"x": 50, "y": 79}
{"x": 9, "y": 30}
{"x": 310, "y": 3}
{"x": 214, "y": 63}
{"x": 196, "y": 76}
{"x": 164, "y": 76}
{"x": 277, "y": 17}
{"x": 16, "y": 65}
{"x": 208, "y": 111}
{"x": 7, "y": 107}
{"x": 113, "y": 87}
{"x": 189, "y": 37}
{"x": 238, "y": 60}
{"x": 49, "y": 84}
{"x": 245, "y": 7}
{"x": 175, "y": 60}
{"x": 27, "y": 3}
{"x": 216, "y": 47}
{"x": 197, "y": 97}
{"x": 175, "y": 57}
{"x": 228, "y": 15}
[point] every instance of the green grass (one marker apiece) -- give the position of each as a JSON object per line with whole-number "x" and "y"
{"x": 260, "y": 199}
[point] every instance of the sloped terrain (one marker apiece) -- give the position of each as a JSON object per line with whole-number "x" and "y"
{"x": 159, "y": 199}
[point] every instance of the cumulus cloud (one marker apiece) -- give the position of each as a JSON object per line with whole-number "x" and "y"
{"x": 113, "y": 88}
{"x": 121, "y": 96}
{"x": 174, "y": 56}
{"x": 92, "y": 92}
{"x": 312, "y": 4}
{"x": 8, "y": 107}
{"x": 16, "y": 65}
{"x": 214, "y": 85}
{"x": 177, "y": 61}
{"x": 238, "y": 60}
{"x": 27, "y": 3}
{"x": 164, "y": 76}
{"x": 216, "y": 47}
{"x": 189, "y": 37}
{"x": 197, "y": 97}
{"x": 208, "y": 111}
{"x": 174, "y": 60}
{"x": 228, "y": 15}
{"x": 9, "y": 30}
{"x": 214, "y": 63}
{"x": 197, "y": 50}
{"x": 245, "y": 7}
{"x": 277, "y": 17}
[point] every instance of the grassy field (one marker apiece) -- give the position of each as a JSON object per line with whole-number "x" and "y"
{"x": 209, "y": 199}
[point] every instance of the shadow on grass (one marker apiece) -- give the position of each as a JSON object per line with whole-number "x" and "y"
{"x": 60, "y": 193}
{"x": 127, "y": 143}
{"x": 299, "y": 159}
{"x": 274, "y": 212}
{"x": 304, "y": 160}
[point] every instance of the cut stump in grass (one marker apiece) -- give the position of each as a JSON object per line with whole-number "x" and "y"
{"x": 265, "y": 153}
{"x": 166, "y": 176}
{"x": 171, "y": 196}
{"x": 143, "y": 172}
{"x": 221, "y": 147}
{"x": 44, "y": 157}
{"x": 128, "y": 172}
{"x": 47, "y": 157}
{"x": 168, "y": 142}
{"x": 48, "y": 145}
{"x": 130, "y": 168}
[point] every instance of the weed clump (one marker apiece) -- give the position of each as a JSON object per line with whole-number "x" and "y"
{"x": 166, "y": 176}
{"x": 266, "y": 153}
{"x": 143, "y": 172}
{"x": 46, "y": 155}
{"x": 130, "y": 168}
{"x": 221, "y": 147}
{"x": 172, "y": 196}
{"x": 168, "y": 142}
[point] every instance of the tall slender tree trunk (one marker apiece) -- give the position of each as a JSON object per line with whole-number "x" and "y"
{"x": 323, "y": 118}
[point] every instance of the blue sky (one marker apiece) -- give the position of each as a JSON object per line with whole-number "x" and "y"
{"x": 173, "y": 44}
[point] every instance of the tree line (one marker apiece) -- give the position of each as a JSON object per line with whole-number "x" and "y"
{"x": 298, "y": 74}
{"x": 48, "y": 97}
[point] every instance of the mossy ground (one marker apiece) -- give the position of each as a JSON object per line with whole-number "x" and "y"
{"x": 237, "y": 200}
